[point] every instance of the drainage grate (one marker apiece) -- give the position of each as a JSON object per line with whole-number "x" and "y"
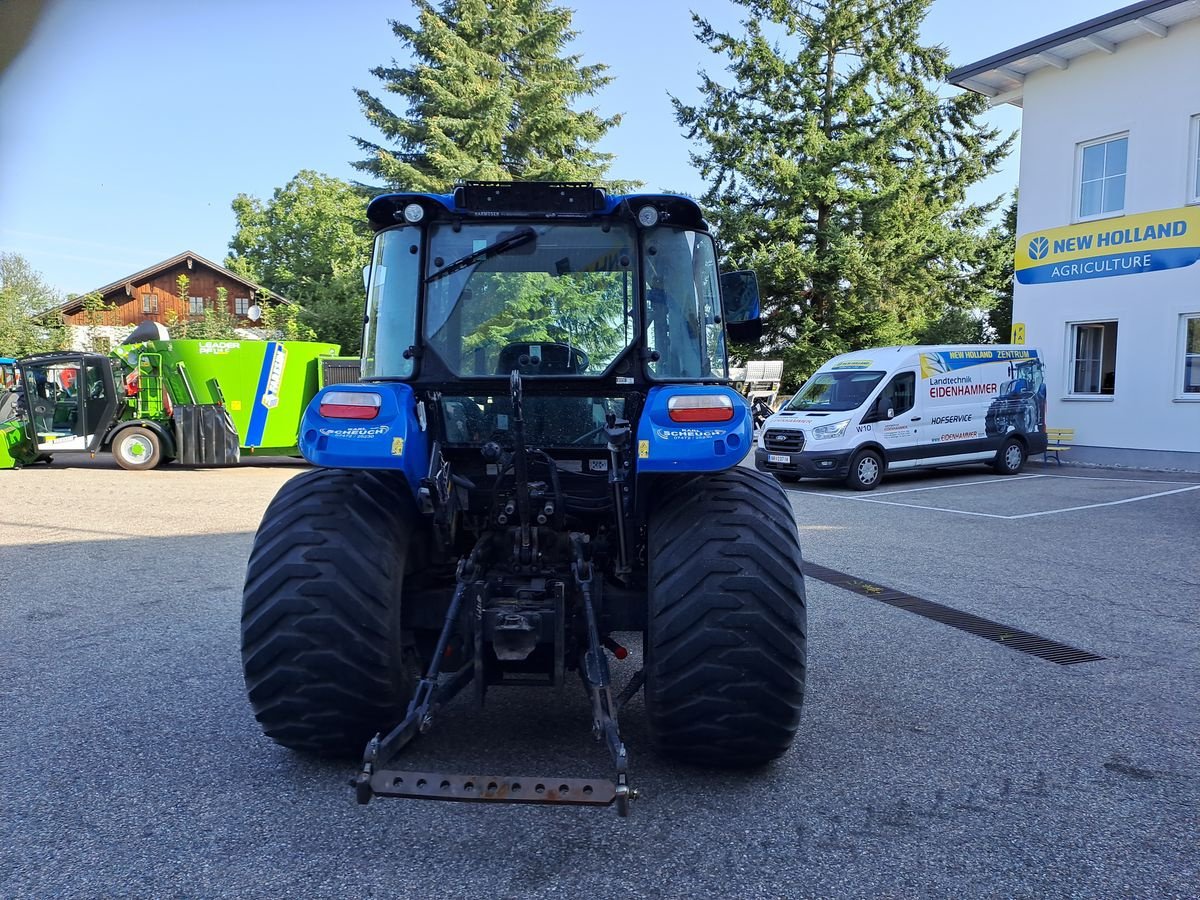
{"x": 1013, "y": 638}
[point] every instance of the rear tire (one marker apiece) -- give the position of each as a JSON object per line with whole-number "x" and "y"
{"x": 326, "y": 662}
{"x": 726, "y": 631}
{"x": 137, "y": 449}
{"x": 866, "y": 471}
{"x": 1010, "y": 458}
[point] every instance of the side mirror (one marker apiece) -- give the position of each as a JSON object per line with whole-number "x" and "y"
{"x": 743, "y": 306}
{"x": 880, "y": 410}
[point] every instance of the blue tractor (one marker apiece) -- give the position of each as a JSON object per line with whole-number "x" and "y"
{"x": 542, "y": 452}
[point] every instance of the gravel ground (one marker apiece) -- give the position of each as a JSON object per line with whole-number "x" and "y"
{"x": 929, "y": 763}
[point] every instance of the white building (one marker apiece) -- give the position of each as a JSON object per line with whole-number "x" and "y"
{"x": 1108, "y": 226}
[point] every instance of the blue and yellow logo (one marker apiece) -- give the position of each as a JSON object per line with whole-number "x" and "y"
{"x": 1128, "y": 245}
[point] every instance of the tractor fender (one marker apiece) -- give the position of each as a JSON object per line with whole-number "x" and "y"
{"x": 165, "y": 434}
{"x": 692, "y": 437}
{"x": 391, "y": 438}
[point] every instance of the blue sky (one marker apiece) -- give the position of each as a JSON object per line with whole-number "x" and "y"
{"x": 128, "y": 126}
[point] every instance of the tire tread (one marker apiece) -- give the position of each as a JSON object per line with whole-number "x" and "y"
{"x": 726, "y": 637}
{"x": 323, "y": 656}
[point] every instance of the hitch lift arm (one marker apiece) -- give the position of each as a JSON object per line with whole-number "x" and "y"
{"x": 375, "y": 779}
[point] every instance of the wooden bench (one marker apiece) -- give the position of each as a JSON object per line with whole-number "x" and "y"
{"x": 1058, "y": 440}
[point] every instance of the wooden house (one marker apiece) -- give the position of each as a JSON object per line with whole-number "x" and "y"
{"x": 153, "y": 295}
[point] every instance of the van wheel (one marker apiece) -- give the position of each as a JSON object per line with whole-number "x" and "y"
{"x": 1010, "y": 458}
{"x": 866, "y": 471}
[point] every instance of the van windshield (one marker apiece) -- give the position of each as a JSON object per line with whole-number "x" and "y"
{"x": 835, "y": 391}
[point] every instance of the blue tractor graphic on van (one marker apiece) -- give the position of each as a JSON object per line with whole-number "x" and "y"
{"x": 1020, "y": 405}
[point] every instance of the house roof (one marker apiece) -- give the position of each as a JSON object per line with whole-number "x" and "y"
{"x": 76, "y": 303}
{"x": 1002, "y": 76}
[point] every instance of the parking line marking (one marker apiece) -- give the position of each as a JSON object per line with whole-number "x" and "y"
{"x": 938, "y": 487}
{"x": 1130, "y": 480}
{"x": 961, "y": 512}
{"x": 968, "y": 512}
{"x": 1108, "y": 503}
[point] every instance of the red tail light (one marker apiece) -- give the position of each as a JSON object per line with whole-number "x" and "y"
{"x": 350, "y": 405}
{"x": 700, "y": 408}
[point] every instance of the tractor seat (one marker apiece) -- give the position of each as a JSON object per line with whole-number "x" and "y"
{"x": 535, "y": 358}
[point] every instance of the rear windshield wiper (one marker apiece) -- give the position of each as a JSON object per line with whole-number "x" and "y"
{"x": 503, "y": 245}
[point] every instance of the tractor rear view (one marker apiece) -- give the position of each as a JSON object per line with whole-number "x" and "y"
{"x": 542, "y": 453}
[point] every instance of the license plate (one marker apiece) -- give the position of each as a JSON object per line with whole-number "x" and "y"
{"x": 778, "y": 457}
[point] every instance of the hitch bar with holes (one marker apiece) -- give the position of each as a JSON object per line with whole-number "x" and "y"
{"x": 433, "y": 690}
{"x": 493, "y": 788}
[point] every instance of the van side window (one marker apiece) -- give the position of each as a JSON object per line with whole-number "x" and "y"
{"x": 901, "y": 393}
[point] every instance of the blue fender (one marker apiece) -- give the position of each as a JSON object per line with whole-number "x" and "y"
{"x": 664, "y": 445}
{"x": 393, "y": 439}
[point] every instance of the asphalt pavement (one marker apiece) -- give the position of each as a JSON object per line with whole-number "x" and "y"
{"x": 930, "y": 762}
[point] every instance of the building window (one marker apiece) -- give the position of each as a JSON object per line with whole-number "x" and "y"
{"x": 1194, "y": 163}
{"x": 1094, "y": 358}
{"x": 241, "y": 305}
{"x": 1102, "y": 166}
{"x": 149, "y": 303}
{"x": 196, "y": 306}
{"x": 1189, "y": 356}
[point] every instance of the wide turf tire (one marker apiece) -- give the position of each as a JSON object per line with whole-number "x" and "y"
{"x": 726, "y": 632}
{"x": 325, "y": 661}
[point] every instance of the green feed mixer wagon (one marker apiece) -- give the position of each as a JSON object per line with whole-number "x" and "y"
{"x": 153, "y": 401}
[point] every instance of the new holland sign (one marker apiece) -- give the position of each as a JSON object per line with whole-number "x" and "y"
{"x": 1128, "y": 245}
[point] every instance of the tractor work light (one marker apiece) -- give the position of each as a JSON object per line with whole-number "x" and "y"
{"x": 647, "y": 216}
{"x": 700, "y": 408}
{"x": 350, "y": 405}
{"x": 414, "y": 213}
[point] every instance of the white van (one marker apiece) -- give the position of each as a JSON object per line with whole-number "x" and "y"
{"x": 864, "y": 413}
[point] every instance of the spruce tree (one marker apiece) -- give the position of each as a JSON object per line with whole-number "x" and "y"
{"x": 489, "y": 96}
{"x": 835, "y": 169}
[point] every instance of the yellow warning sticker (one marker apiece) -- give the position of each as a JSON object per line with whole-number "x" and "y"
{"x": 235, "y": 405}
{"x": 643, "y": 449}
{"x": 397, "y": 446}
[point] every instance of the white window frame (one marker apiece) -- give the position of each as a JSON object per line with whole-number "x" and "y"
{"x": 192, "y": 303}
{"x": 1193, "y": 175}
{"x": 1077, "y": 194}
{"x": 241, "y": 305}
{"x": 1070, "y": 392}
{"x": 1181, "y": 356}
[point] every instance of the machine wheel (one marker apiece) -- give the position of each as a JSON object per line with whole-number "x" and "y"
{"x": 324, "y": 657}
{"x": 726, "y": 626}
{"x": 866, "y": 471}
{"x": 1010, "y": 457}
{"x": 137, "y": 449}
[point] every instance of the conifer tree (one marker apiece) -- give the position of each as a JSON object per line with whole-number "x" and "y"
{"x": 835, "y": 169}
{"x": 489, "y": 96}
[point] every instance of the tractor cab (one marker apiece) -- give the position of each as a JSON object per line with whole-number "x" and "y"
{"x": 69, "y": 399}
{"x": 542, "y": 451}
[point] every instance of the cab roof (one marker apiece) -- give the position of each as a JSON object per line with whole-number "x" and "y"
{"x": 531, "y": 200}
